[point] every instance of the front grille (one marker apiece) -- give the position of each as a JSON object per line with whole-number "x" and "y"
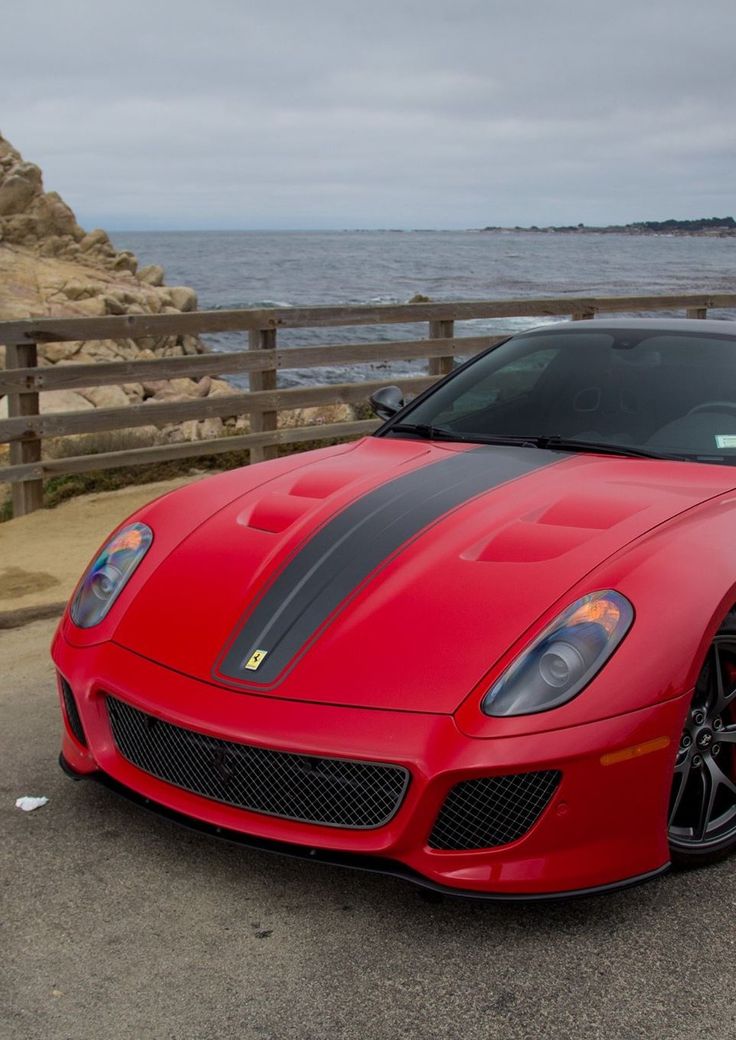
{"x": 494, "y": 810}
{"x": 335, "y": 792}
{"x": 72, "y": 712}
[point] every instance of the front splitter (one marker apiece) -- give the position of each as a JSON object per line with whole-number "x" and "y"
{"x": 350, "y": 860}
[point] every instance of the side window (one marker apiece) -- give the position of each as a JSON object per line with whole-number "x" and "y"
{"x": 514, "y": 380}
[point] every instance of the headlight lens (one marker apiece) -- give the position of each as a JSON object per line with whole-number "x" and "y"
{"x": 106, "y": 577}
{"x": 564, "y": 658}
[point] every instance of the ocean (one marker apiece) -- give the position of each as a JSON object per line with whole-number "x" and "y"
{"x": 298, "y": 268}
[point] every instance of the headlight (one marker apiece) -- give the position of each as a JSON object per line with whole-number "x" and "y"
{"x": 564, "y": 658}
{"x": 106, "y": 577}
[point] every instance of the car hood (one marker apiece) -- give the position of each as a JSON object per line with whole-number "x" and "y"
{"x": 394, "y": 574}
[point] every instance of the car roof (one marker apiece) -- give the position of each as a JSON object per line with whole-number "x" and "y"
{"x": 698, "y": 326}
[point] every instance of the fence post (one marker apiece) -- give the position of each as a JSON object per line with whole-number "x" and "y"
{"x": 440, "y": 366}
{"x": 697, "y": 312}
{"x": 263, "y": 339}
{"x": 27, "y": 495}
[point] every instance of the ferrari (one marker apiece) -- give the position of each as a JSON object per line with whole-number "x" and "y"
{"x": 490, "y": 648}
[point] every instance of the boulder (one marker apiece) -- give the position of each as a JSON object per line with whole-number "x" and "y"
{"x": 211, "y": 428}
{"x": 94, "y": 239}
{"x": 220, "y": 387}
{"x": 19, "y": 188}
{"x": 54, "y": 352}
{"x": 152, "y": 274}
{"x": 54, "y": 217}
{"x": 93, "y": 307}
{"x": 153, "y": 387}
{"x": 125, "y": 261}
{"x": 178, "y": 389}
{"x": 54, "y": 401}
{"x": 112, "y": 304}
{"x": 183, "y": 298}
{"x": 63, "y": 401}
{"x": 106, "y": 396}
{"x": 75, "y": 290}
{"x": 134, "y": 392}
{"x": 322, "y": 416}
{"x": 191, "y": 345}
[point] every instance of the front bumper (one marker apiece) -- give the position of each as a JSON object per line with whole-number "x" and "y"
{"x": 605, "y": 825}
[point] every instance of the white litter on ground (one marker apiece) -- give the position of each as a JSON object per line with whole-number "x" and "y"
{"x": 28, "y": 803}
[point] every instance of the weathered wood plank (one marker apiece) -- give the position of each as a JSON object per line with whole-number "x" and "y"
{"x": 133, "y": 326}
{"x": 186, "y": 450}
{"x": 26, "y": 495}
{"x": 61, "y": 424}
{"x": 262, "y": 342}
{"x": 22, "y": 381}
{"x": 441, "y": 365}
{"x": 113, "y": 373}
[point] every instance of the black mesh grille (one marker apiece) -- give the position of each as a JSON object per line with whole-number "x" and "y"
{"x": 336, "y": 792}
{"x": 72, "y": 714}
{"x": 493, "y": 810}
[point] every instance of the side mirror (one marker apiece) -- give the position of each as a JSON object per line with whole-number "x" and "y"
{"x": 387, "y": 401}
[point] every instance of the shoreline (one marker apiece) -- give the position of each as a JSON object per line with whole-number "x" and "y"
{"x": 612, "y": 229}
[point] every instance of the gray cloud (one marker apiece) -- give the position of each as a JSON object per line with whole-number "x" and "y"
{"x": 338, "y": 114}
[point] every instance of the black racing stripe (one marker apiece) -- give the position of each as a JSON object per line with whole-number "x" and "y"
{"x": 348, "y": 548}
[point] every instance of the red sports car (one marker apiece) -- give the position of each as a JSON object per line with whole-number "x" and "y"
{"x": 490, "y": 649}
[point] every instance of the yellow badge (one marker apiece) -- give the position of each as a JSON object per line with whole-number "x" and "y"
{"x": 255, "y": 660}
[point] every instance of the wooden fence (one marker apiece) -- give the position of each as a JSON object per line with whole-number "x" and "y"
{"x": 23, "y": 380}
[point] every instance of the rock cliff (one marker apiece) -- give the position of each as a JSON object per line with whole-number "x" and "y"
{"x": 50, "y": 266}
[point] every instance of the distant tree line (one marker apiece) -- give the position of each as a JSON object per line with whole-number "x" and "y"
{"x": 727, "y": 224}
{"x": 687, "y": 225}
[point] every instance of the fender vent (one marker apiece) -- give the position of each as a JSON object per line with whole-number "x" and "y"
{"x": 334, "y": 792}
{"x": 494, "y": 810}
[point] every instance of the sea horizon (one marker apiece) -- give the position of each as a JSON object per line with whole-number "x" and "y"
{"x": 241, "y": 269}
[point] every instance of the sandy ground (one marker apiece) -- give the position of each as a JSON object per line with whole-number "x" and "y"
{"x": 42, "y": 555}
{"x": 115, "y": 924}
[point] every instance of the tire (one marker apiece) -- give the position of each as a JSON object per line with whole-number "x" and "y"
{"x": 702, "y": 816}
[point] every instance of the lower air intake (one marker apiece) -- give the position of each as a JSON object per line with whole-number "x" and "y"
{"x": 335, "y": 792}
{"x": 72, "y": 712}
{"x": 494, "y": 810}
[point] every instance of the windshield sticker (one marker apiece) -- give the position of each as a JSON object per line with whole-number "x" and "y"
{"x": 726, "y": 440}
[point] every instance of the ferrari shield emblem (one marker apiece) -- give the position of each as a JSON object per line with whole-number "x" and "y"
{"x": 255, "y": 660}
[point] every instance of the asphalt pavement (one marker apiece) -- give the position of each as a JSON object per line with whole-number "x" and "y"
{"x": 117, "y": 925}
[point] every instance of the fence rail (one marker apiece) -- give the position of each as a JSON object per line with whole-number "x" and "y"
{"x": 22, "y": 380}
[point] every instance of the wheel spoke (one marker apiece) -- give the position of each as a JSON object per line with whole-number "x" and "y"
{"x": 717, "y": 681}
{"x": 720, "y": 779}
{"x": 723, "y": 696}
{"x": 726, "y": 736}
{"x": 728, "y": 698}
{"x": 705, "y": 808}
{"x": 682, "y": 770}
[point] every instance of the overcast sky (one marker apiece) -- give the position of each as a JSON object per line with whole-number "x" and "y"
{"x": 334, "y": 114}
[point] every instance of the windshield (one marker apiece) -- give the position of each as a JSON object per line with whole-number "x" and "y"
{"x": 664, "y": 393}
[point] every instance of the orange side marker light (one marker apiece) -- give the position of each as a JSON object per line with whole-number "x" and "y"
{"x": 636, "y": 751}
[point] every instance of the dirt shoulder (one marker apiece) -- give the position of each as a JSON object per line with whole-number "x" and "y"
{"x": 43, "y": 555}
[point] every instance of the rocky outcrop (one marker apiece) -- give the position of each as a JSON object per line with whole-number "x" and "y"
{"x": 52, "y": 267}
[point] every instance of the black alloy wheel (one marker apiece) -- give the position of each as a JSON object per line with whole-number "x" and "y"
{"x": 702, "y": 817}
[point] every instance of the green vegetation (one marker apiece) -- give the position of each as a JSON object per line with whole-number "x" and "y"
{"x": 704, "y": 224}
